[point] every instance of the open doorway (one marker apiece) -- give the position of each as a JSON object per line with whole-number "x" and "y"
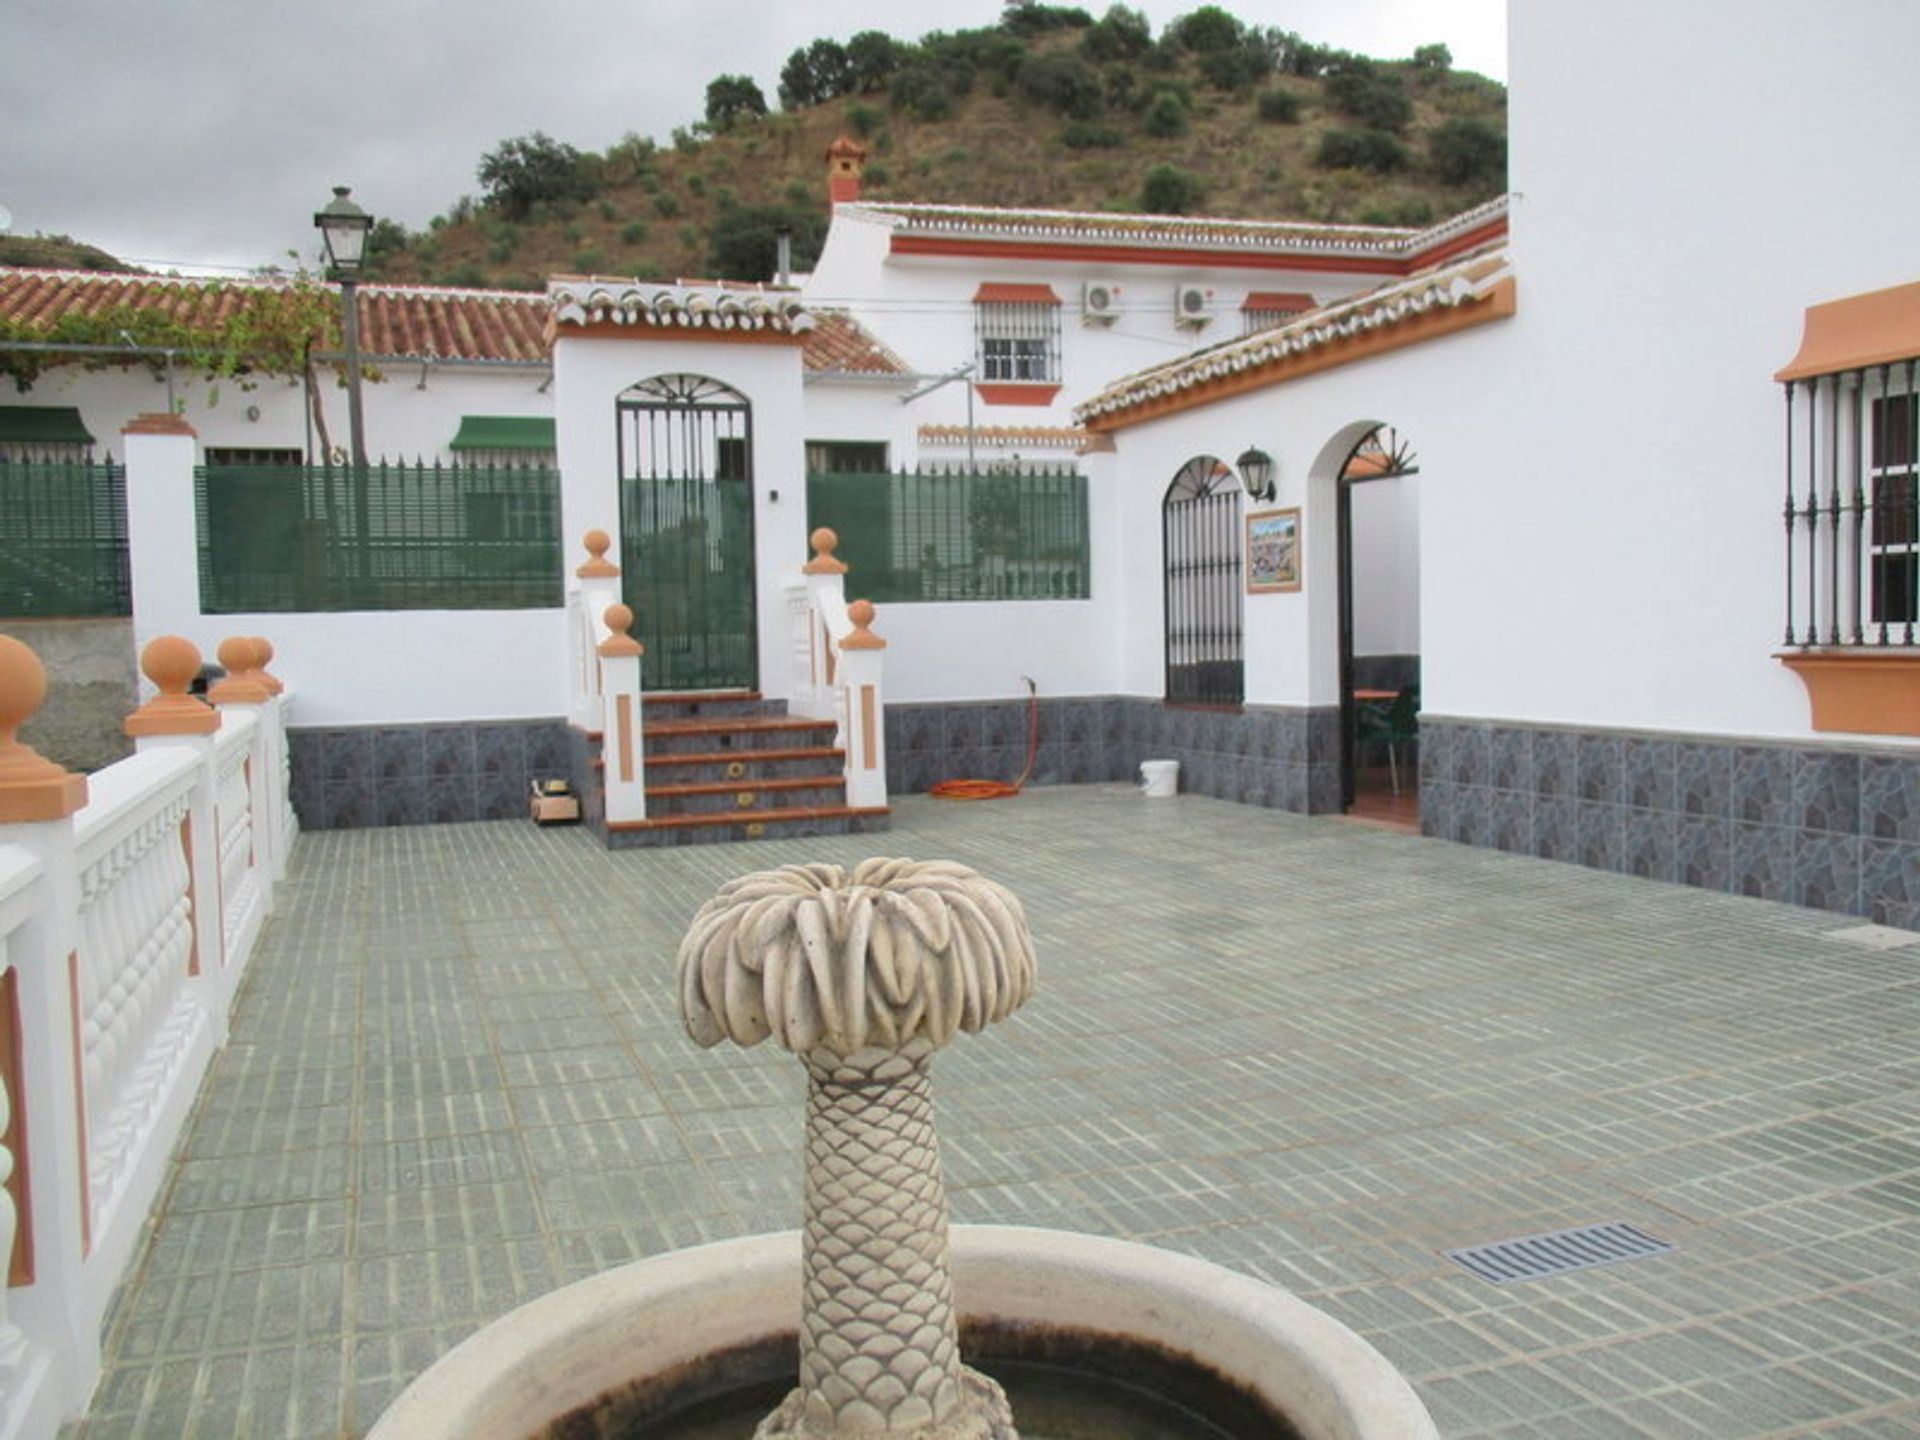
{"x": 1379, "y": 538}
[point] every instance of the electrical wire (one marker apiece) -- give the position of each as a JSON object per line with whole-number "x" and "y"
{"x": 999, "y": 789}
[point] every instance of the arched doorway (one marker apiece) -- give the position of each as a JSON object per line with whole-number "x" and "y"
{"x": 686, "y": 530}
{"x": 1200, "y": 546}
{"x": 1379, "y": 626}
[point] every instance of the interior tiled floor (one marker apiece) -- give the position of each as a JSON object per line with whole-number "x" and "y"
{"x": 1313, "y": 1051}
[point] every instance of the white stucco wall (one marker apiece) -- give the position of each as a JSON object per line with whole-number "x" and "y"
{"x": 1615, "y": 553}
{"x": 404, "y": 420}
{"x": 922, "y": 306}
{"x": 590, "y": 374}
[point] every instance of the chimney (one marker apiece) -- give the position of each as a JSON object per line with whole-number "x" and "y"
{"x": 845, "y": 159}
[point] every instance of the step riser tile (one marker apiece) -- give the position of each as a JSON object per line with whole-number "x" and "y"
{"x": 741, "y": 741}
{"x": 831, "y": 793}
{"x": 752, "y": 771}
{"x": 750, "y": 830}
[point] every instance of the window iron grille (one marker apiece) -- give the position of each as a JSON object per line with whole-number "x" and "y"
{"x": 1019, "y": 341}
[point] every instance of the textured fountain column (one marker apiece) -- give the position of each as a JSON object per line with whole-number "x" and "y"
{"x": 865, "y": 975}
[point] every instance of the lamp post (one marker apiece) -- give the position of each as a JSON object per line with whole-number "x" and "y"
{"x": 343, "y": 227}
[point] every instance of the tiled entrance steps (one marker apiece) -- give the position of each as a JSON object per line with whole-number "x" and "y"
{"x": 729, "y": 765}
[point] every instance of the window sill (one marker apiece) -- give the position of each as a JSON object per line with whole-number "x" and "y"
{"x": 1860, "y": 692}
{"x": 1015, "y": 392}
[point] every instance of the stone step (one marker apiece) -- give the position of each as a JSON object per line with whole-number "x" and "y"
{"x": 743, "y": 797}
{"x": 731, "y": 767}
{"x": 738, "y": 734}
{"x": 707, "y": 705}
{"x": 764, "y": 825}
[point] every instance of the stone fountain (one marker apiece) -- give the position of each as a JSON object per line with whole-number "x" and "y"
{"x": 864, "y": 976}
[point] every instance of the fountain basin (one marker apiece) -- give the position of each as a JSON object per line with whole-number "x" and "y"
{"x": 673, "y": 1320}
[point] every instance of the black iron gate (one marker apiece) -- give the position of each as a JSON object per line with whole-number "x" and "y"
{"x": 1200, "y": 534}
{"x": 686, "y": 531}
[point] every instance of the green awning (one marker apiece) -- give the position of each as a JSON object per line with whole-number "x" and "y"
{"x": 59, "y": 425}
{"x": 504, "y": 432}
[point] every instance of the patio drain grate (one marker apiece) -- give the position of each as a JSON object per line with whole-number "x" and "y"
{"x": 1532, "y": 1257}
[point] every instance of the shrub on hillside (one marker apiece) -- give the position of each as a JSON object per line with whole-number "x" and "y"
{"x": 731, "y": 99}
{"x": 1085, "y": 135}
{"x": 1025, "y": 17}
{"x": 1361, "y": 150}
{"x": 1166, "y": 116}
{"x": 873, "y": 57}
{"x": 1376, "y": 98}
{"x": 1064, "y": 83}
{"x": 922, "y": 91}
{"x": 863, "y": 120}
{"x": 1466, "y": 151}
{"x": 822, "y": 71}
{"x": 1169, "y": 190}
{"x": 1205, "y": 29}
{"x": 1120, "y": 34}
{"x": 1280, "y": 107}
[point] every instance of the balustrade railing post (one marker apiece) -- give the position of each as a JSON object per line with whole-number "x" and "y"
{"x": 278, "y": 821}
{"x": 597, "y": 588}
{"x": 825, "y": 577}
{"x": 624, "y": 763}
{"x": 57, "y": 1316}
{"x": 173, "y": 719}
{"x": 245, "y": 691}
{"x": 861, "y": 653}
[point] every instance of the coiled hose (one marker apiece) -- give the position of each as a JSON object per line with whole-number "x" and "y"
{"x": 999, "y": 789}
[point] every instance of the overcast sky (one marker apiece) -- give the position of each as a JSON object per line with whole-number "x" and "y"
{"x": 207, "y": 132}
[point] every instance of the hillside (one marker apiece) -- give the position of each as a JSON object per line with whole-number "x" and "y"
{"x": 1047, "y": 108}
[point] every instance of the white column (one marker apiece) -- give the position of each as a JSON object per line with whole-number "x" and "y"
{"x": 825, "y": 578}
{"x": 163, "y": 542}
{"x": 597, "y": 586}
{"x": 623, "y": 761}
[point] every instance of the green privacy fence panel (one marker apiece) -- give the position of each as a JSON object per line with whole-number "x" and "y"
{"x": 63, "y": 540}
{"x": 383, "y": 537}
{"x": 956, "y": 535}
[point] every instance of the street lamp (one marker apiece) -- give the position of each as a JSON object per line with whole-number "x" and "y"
{"x": 343, "y": 227}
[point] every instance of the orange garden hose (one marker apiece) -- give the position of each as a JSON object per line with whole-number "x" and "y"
{"x": 999, "y": 789}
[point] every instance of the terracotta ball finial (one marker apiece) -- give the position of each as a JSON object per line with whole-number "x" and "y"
{"x": 598, "y": 542}
{"x": 263, "y": 657}
{"x": 824, "y": 543}
{"x": 619, "y": 620}
{"x": 31, "y": 786}
{"x": 243, "y": 685}
{"x": 171, "y": 662}
{"x": 860, "y": 612}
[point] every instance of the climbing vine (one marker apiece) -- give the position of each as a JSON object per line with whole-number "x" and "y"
{"x": 241, "y": 333}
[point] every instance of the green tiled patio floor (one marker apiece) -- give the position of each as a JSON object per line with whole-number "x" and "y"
{"x": 1312, "y": 1052}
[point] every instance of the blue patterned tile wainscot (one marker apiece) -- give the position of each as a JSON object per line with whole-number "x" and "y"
{"x": 1833, "y": 827}
{"x": 346, "y": 777}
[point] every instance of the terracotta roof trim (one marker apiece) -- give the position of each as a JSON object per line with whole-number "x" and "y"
{"x": 1049, "y": 436}
{"x": 1076, "y": 226}
{"x": 1464, "y": 283}
{"x": 840, "y": 347}
{"x": 679, "y": 306}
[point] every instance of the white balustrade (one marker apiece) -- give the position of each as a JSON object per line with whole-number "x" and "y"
{"x": 838, "y": 665}
{"x": 138, "y": 1019}
{"x": 241, "y": 884}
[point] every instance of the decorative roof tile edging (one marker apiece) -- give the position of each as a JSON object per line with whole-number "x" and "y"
{"x": 1404, "y": 312}
{"x": 1392, "y": 246}
{"x": 1048, "y": 437}
{"x": 646, "y": 305}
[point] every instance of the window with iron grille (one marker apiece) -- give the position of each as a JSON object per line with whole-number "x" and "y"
{"x": 1894, "y": 540}
{"x": 1853, "y": 506}
{"x": 1019, "y": 338}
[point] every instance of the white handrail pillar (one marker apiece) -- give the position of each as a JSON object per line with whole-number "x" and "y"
{"x": 163, "y": 547}
{"x": 58, "y": 1359}
{"x": 865, "y": 709}
{"x": 625, "y": 771}
{"x": 825, "y": 577}
{"x": 246, "y": 691}
{"x": 597, "y": 586}
{"x": 278, "y": 824}
{"x": 173, "y": 719}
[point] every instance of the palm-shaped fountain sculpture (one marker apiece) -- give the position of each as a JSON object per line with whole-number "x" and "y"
{"x": 864, "y": 976}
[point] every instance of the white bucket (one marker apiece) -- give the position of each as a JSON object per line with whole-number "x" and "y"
{"x": 1160, "y": 778}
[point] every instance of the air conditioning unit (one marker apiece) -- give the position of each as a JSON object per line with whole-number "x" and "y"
{"x": 1099, "y": 302}
{"x": 1193, "y": 305}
